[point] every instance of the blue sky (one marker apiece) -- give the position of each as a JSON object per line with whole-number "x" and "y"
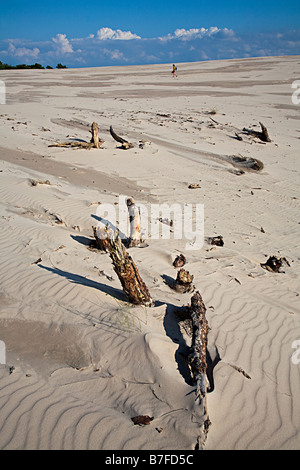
{"x": 95, "y": 33}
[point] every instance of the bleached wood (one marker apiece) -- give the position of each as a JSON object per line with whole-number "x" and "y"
{"x": 135, "y": 223}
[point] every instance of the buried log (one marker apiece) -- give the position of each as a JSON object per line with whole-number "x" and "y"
{"x": 197, "y": 356}
{"x": 125, "y": 144}
{"x": 263, "y": 135}
{"x": 246, "y": 163}
{"x": 127, "y": 272}
{"x": 94, "y": 142}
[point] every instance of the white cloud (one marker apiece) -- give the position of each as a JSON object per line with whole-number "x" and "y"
{"x": 189, "y": 33}
{"x": 22, "y": 51}
{"x": 198, "y": 33}
{"x": 108, "y": 33}
{"x": 62, "y": 44}
{"x": 114, "y": 54}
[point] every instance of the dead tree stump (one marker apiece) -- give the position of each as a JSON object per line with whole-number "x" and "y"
{"x": 95, "y": 137}
{"x": 127, "y": 272}
{"x": 135, "y": 223}
{"x": 197, "y": 357}
{"x": 102, "y": 238}
{"x": 184, "y": 282}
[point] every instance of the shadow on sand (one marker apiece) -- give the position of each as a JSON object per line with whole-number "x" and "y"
{"x": 77, "y": 279}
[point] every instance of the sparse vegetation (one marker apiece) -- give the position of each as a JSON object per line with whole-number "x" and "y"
{"x": 4, "y": 66}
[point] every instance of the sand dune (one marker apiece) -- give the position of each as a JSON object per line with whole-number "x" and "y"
{"x": 81, "y": 361}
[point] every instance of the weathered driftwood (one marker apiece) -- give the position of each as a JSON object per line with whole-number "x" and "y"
{"x": 125, "y": 144}
{"x": 197, "y": 356}
{"x": 179, "y": 261}
{"x": 274, "y": 264}
{"x": 127, "y": 272}
{"x": 135, "y": 237}
{"x": 246, "y": 163}
{"x": 82, "y": 145}
{"x": 263, "y": 135}
{"x": 142, "y": 420}
{"x": 184, "y": 282}
{"x": 218, "y": 241}
{"x": 166, "y": 221}
{"x": 34, "y": 182}
{"x": 241, "y": 371}
{"x": 238, "y": 137}
{"x": 95, "y": 135}
{"x": 94, "y": 142}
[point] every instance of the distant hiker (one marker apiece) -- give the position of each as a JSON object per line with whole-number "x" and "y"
{"x": 174, "y": 70}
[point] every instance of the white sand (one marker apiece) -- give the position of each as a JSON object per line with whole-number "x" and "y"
{"x": 81, "y": 361}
